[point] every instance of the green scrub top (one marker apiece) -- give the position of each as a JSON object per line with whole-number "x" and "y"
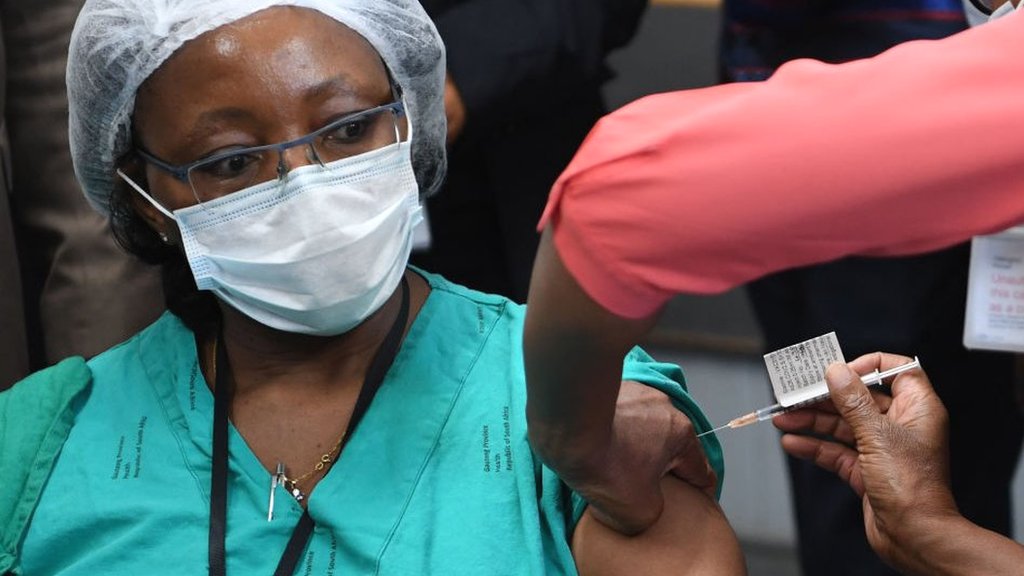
{"x": 437, "y": 479}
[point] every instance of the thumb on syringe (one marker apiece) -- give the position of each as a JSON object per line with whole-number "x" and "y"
{"x": 851, "y": 398}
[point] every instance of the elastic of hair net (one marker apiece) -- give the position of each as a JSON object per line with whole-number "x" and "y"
{"x": 117, "y": 44}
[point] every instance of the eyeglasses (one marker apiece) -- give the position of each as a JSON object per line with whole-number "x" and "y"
{"x": 228, "y": 172}
{"x": 983, "y": 6}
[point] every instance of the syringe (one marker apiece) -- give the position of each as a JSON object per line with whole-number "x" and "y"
{"x": 871, "y": 379}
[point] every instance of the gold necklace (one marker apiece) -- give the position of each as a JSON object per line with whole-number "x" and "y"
{"x": 292, "y": 484}
{"x": 279, "y": 478}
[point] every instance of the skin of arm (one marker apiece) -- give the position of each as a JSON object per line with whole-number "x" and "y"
{"x": 893, "y": 451}
{"x": 573, "y": 352}
{"x": 692, "y": 536}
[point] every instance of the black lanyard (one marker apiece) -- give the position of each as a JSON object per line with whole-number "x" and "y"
{"x": 219, "y": 478}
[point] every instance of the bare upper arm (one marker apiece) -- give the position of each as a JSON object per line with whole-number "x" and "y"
{"x": 692, "y": 536}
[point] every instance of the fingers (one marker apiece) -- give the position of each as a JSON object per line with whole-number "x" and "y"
{"x": 852, "y": 399}
{"x": 650, "y": 439}
{"x": 826, "y": 418}
{"x": 914, "y": 382}
{"x": 911, "y": 387}
{"x": 814, "y": 421}
{"x": 836, "y": 458}
{"x": 882, "y": 399}
{"x": 692, "y": 467}
{"x": 880, "y": 361}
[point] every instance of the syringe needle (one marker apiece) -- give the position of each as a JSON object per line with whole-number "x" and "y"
{"x": 722, "y": 427}
{"x": 734, "y": 423}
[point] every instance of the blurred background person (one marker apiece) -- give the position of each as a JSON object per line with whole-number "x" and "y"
{"x": 66, "y": 288}
{"x": 523, "y": 89}
{"x": 912, "y": 305}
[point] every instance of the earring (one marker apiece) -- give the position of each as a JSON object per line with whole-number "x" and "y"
{"x": 164, "y": 237}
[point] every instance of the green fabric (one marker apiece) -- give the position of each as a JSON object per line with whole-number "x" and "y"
{"x": 35, "y": 417}
{"x": 438, "y": 478}
{"x": 668, "y": 378}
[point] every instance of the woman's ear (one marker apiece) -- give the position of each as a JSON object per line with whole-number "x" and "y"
{"x": 164, "y": 227}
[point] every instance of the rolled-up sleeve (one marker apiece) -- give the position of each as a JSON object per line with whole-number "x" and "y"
{"x": 700, "y": 191}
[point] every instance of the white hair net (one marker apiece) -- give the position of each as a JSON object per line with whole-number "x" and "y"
{"x": 117, "y": 44}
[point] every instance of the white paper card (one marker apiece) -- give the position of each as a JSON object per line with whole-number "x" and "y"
{"x": 797, "y": 372}
{"x": 994, "y": 319}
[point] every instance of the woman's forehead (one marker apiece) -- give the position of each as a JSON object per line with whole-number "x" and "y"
{"x": 285, "y": 48}
{"x": 278, "y": 73}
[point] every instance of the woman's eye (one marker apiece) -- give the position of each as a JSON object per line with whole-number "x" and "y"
{"x": 230, "y": 167}
{"x": 348, "y": 132}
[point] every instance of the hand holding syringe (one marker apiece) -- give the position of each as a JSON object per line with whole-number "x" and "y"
{"x": 871, "y": 379}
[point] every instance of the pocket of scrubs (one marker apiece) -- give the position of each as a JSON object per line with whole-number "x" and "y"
{"x": 994, "y": 319}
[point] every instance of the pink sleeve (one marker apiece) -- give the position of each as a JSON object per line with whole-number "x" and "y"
{"x": 703, "y": 190}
